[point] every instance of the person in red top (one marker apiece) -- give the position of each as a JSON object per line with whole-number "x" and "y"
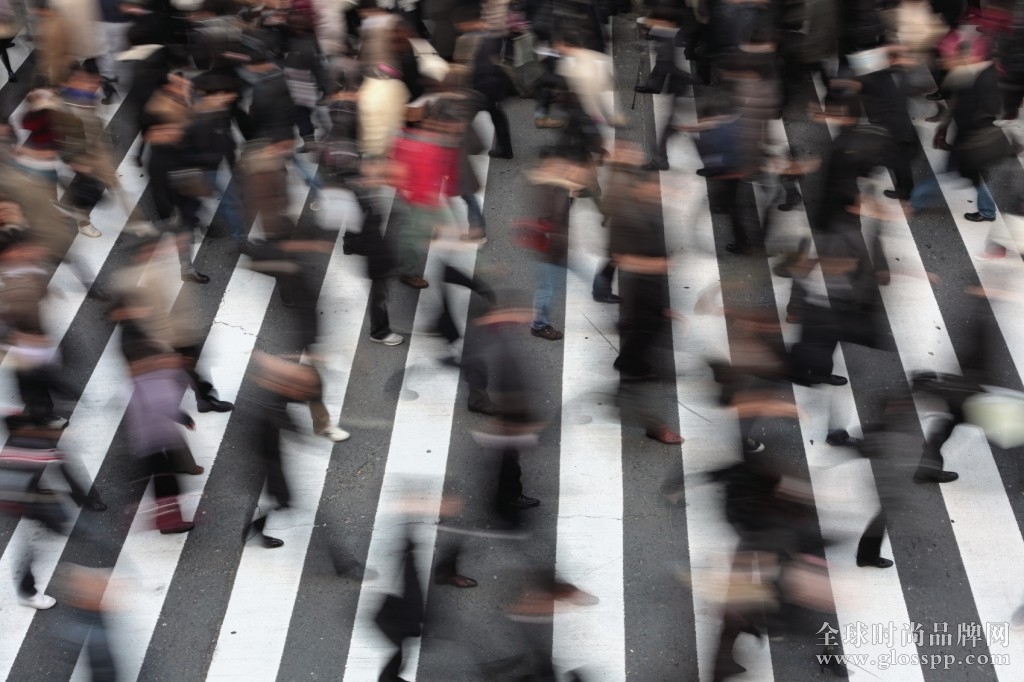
{"x": 424, "y": 162}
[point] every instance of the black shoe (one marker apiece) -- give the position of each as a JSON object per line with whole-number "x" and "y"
{"x": 607, "y": 298}
{"x": 197, "y": 277}
{"x": 787, "y": 206}
{"x": 656, "y": 166}
{"x": 644, "y": 90}
{"x": 521, "y": 502}
{"x": 183, "y": 528}
{"x": 272, "y": 543}
{"x": 214, "y": 405}
{"x": 976, "y": 217}
{"x": 484, "y": 407}
{"x": 752, "y": 447}
{"x": 840, "y": 438}
{"x": 937, "y": 477}
{"x": 875, "y": 563}
{"x": 500, "y": 153}
{"x": 935, "y": 96}
{"x": 831, "y": 380}
{"x": 737, "y": 249}
{"x": 892, "y": 194}
{"x": 547, "y": 332}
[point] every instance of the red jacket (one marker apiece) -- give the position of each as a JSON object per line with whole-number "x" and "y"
{"x": 429, "y": 161}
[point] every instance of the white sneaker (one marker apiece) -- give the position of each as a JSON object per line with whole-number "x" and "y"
{"x": 335, "y": 434}
{"x": 87, "y": 229}
{"x": 38, "y": 601}
{"x": 391, "y": 339}
{"x": 141, "y": 228}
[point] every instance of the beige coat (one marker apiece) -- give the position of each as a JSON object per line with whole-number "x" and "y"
{"x": 381, "y": 114}
{"x": 36, "y": 195}
{"x": 146, "y": 285}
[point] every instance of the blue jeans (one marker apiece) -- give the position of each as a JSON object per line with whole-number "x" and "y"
{"x": 231, "y": 205}
{"x": 309, "y": 175}
{"x": 926, "y": 192}
{"x": 473, "y": 212}
{"x": 550, "y": 278}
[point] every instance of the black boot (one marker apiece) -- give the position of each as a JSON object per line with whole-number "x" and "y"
{"x": 109, "y": 92}
{"x": 258, "y": 525}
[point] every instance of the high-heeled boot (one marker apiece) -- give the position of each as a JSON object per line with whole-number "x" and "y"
{"x": 109, "y": 92}
{"x": 258, "y": 525}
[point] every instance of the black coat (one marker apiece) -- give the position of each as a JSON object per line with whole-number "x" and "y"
{"x": 271, "y": 110}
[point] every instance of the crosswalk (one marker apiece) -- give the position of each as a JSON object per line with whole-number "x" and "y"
{"x": 206, "y": 605}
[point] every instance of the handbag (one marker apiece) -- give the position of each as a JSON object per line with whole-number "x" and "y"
{"x": 980, "y": 148}
{"x": 190, "y": 182}
{"x": 340, "y": 159}
{"x": 1000, "y": 415}
{"x": 293, "y": 380}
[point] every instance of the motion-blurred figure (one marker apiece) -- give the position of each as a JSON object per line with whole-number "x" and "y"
{"x": 638, "y": 250}
{"x": 401, "y": 616}
{"x": 280, "y": 382}
{"x": 285, "y": 258}
{"x": 86, "y": 587}
{"x": 21, "y": 496}
{"x": 154, "y": 413}
{"x": 168, "y": 321}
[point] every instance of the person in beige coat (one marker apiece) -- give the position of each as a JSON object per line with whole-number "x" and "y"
{"x": 91, "y": 154}
{"x": 382, "y": 101}
{"x": 65, "y": 33}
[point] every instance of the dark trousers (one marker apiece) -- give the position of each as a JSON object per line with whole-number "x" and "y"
{"x": 304, "y": 121}
{"x": 510, "y": 475}
{"x": 545, "y": 86}
{"x": 34, "y": 386}
{"x": 931, "y": 455}
{"x": 724, "y": 195}
{"x": 163, "y": 159}
{"x": 812, "y": 355}
{"x": 734, "y": 624}
{"x": 502, "y": 130}
{"x": 602, "y": 286}
{"x": 870, "y": 546}
{"x": 474, "y": 371}
{"x": 204, "y": 389}
{"x": 270, "y": 457}
{"x": 380, "y": 324}
{"x": 394, "y": 664}
{"x": 902, "y": 175}
{"x": 165, "y": 488}
{"x": 642, "y": 321}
